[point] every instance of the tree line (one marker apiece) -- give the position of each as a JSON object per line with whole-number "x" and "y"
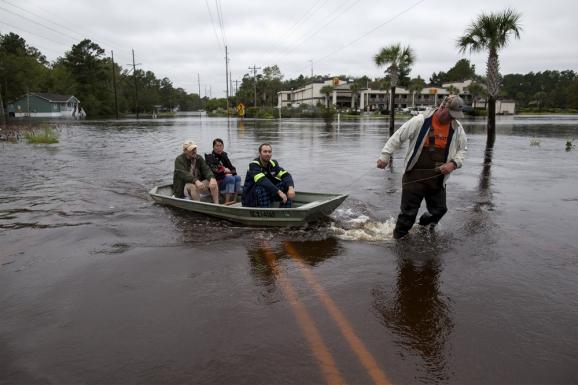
{"x": 85, "y": 72}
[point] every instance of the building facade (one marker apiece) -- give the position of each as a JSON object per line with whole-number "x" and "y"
{"x": 45, "y": 105}
{"x": 374, "y": 100}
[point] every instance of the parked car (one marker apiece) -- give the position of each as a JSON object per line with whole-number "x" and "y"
{"x": 418, "y": 110}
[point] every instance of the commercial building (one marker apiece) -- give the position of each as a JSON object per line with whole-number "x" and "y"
{"x": 341, "y": 96}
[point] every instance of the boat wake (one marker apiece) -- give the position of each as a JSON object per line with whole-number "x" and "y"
{"x": 352, "y": 225}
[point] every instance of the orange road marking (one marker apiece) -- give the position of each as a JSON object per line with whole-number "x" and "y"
{"x": 345, "y": 328}
{"x": 318, "y": 347}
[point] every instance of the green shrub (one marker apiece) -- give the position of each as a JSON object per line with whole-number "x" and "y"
{"x": 46, "y": 136}
{"x": 328, "y": 114}
{"x": 479, "y": 112}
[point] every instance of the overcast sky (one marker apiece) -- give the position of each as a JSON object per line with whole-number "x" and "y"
{"x": 180, "y": 39}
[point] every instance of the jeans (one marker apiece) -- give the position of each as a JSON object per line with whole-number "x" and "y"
{"x": 231, "y": 184}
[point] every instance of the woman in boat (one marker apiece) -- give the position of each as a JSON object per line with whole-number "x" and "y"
{"x": 225, "y": 172}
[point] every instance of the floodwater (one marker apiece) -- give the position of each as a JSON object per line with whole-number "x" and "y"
{"x": 99, "y": 285}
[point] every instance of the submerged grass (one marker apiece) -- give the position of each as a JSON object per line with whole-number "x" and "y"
{"x": 46, "y": 136}
{"x": 570, "y": 145}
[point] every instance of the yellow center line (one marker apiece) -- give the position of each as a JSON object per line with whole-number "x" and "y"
{"x": 364, "y": 356}
{"x": 324, "y": 358}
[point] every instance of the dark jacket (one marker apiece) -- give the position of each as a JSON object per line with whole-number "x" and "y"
{"x": 217, "y": 162}
{"x": 183, "y": 175}
{"x": 267, "y": 176}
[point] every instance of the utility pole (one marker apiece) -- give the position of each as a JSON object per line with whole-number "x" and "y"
{"x": 311, "y": 61}
{"x": 199, "y": 81}
{"x": 2, "y": 110}
{"x": 114, "y": 85}
{"x": 1, "y": 101}
{"x": 227, "y": 78}
{"x": 236, "y": 86}
{"x": 254, "y": 68}
{"x": 28, "y": 105}
{"x": 231, "y": 86}
{"x": 135, "y": 84}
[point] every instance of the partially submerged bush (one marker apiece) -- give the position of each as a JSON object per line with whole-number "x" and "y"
{"x": 570, "y": 145}
{"x": 46, "y": 136}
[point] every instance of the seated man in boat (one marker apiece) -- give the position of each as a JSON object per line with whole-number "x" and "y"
{"x": 224, "y": 171}
{"x": 192, "y": 175}
{"x": 266, "y": 182}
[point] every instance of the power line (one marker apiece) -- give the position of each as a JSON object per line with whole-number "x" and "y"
{"x": 291, "y": 30}
{"x": 41, "y": 17}
{"x": 37, "y": 23}
{"x": 305, "y": 17}
{"x": 32, "y": 33}
{"x": 319, "y": 29}
{"x": 221, "y": 23}
{"x": 74, "y": 38}
{"x": 213, "y": 24}
{"x": 368, "y": 32}
{"x": 371, "y": 31}
{"x": 111, "y": 44}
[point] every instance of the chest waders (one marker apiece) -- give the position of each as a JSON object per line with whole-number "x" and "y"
{"x": 423, "y": 181}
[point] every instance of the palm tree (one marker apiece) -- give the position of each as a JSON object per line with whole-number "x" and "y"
{"x": 326, "y": 90}
{"x": 453, "y": 90}
{"x": 416, "y": 85}
{"x": 476, "y": 90}
{"x": 491, "y": 32}
{"x": 399, "y": 61}
{"x": 354, "y": 88}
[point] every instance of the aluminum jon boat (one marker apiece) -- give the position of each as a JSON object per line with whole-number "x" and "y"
{"x": 307, "y": 207}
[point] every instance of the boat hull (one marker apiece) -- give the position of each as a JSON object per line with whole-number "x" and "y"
{"x": 309, "y": 207}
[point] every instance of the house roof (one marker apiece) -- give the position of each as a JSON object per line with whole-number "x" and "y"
{"x": 53, "y": 97}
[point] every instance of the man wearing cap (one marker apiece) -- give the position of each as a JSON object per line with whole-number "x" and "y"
{"x": 193, "y": 176}
{"x": 437, "y": 147}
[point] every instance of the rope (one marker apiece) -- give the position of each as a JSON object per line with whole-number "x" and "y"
{"x": 403, "y": 184}
{"x": 422, "y": 179}
{"x": 357, "y": 179}
{"x": 419, "y": 180}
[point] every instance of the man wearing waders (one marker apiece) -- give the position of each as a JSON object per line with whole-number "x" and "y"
{"x": 437, "y": 147}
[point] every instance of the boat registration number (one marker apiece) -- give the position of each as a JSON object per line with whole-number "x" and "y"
{"x": 262, "y": 214}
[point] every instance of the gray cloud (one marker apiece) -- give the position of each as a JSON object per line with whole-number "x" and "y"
{"x": 176, "y": 39}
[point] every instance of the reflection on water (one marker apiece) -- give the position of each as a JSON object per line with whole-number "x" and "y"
{"x": 261, "y": 268}
{"x": 315, "y": 252}
{"x": 311, "y": 253}
{"x": 196, "y": 228}
{"x": 415, "y": 310}
{"x": 479, "y": 219}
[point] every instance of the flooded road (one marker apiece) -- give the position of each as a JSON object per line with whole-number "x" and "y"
{"x": 99, "y": 285}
